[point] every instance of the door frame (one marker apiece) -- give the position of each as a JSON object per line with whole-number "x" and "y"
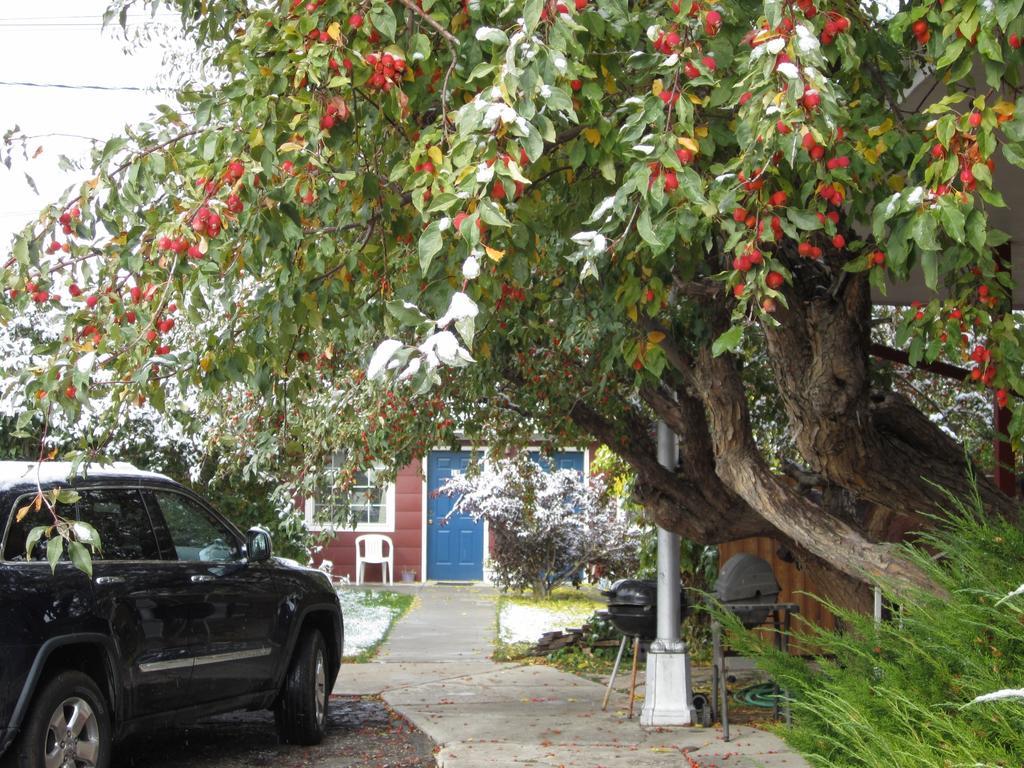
{"x": 425, "y": 501}
{"x": 486, "y": 559}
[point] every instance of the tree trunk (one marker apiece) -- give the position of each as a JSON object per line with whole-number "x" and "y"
{"x": 884, "y": 467}
{"x": 539, "y": 588}
{"x": 876, "y": 445}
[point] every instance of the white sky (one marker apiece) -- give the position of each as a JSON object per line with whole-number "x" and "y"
{"x": 61, "y": 42}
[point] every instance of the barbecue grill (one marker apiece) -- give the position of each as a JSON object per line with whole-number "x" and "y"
{"x": 747, "y": 586}
{"x": 633, "y": 607}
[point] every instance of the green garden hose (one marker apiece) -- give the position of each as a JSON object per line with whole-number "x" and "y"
{"x": 759, "y": 695}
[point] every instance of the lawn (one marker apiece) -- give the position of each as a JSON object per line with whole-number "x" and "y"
{"x": 522, "y": 619}
{"x": 369, "y": 616}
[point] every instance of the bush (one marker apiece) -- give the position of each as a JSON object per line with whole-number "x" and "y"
{"x": 899, "y": 694}
{"x": 547, "y": 526}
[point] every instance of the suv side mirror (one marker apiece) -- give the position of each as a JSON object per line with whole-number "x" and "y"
{"x": 258, "y": 544}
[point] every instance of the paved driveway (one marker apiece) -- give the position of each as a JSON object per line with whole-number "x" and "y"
{"x": 434, "y": 669}
{"x": 363, "y": 732}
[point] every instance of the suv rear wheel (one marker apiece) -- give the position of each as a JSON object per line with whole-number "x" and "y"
{"x": 301, "y": 710}
{"x": 68, "y": 726}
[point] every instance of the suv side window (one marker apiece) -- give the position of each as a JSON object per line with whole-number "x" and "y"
{"x": 118, "y": 515}
{"x": 197, "y": 535}
{"x": 18, "y": 530}
{"x": 120, "y": 518}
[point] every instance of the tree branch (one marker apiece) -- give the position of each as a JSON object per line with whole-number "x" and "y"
{"x": 451, "y": 39}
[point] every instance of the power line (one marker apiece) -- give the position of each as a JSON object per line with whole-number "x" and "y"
{"x": 46, "y": 26}
{"x": 85, "y": 87}
{"x": 72, "y": 16}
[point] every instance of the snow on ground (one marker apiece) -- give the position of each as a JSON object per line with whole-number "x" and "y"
{"x": 365, "y": 624}
{"x": 526, "y": 623}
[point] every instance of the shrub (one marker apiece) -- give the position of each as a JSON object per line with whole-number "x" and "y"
{"x": 899, "y": 694}
{"x": 547, "y": 526}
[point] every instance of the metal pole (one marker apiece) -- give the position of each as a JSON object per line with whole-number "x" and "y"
{"x": 669, "y": 608}
{"x": 669, "y": 694}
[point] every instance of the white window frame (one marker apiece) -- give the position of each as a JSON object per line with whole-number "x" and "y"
{"x": 388, "y": 526}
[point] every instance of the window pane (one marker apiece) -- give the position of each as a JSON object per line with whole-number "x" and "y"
{"x": 17, "y": 534}
{"x": 197, "y": 536}
{"x": 364, "y": 503}
{"x": 119, "y": 517}
{"x": 121, "y": 520}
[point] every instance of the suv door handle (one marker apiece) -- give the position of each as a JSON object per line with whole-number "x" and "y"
{"x": 200, "y": 577}
{"x": 110, "y": 579}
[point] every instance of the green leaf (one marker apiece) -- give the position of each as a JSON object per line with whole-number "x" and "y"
{"x": 66, "y": 496}
{"x": 996, "y": 237}
{"x": 559, "y": 100}
{"x": 992, "y": 196}
{"x": 1013, "y": 154}
{"x": 773, "y": 12}
{"x": 646, "y": 230}
{"x": 54, "y": 549}
{"x": 406, "y": 313}
{"x": 480, "y": 70}
{"x": 491, "y": 214}
{"x": 383, "y": 20}
{"x": 728, "y": 341}
{"x": 80, "y": 557}
{"x": 982, "y": 173}
{"x": 916, "y": 350}
{"x": 430, "y": 243}
{"x": 952, "y": 218}
{"x": 924, "y": 232}
{"x": 531, "y": 14}
{"x": 804, "y": 220}
{"x": 945, "y": 129}
{"x": 1006, "y": 11}
{"x": 930, "y": 266}
{"x": 209, "y": 146}
{"x": 466, "y": 328}
{"x": 533, "y": 143}
{"x": 491, "y": 35}
{"x": 33, "y": 539}
{"x": 21, "y": 249}
{"x": 976, "y": 226}
{"x": 988, "y": 46}
{"x": 952, "y": 53}
{"x": 88, "y": 536}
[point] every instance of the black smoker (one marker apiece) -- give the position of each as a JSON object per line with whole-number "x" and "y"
{"x": 633, "y": 607}
{"x": 633, "y": 610}
{"x": 747, "y": 586}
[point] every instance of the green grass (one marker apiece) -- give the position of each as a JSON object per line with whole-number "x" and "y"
{"x": 561, "y": 600}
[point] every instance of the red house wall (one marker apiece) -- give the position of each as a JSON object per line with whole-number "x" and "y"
{"x": 407, "y": 537}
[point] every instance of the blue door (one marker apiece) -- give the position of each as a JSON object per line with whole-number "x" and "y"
{"x": 455, "y": 547}
{"x": 561, "y": 460}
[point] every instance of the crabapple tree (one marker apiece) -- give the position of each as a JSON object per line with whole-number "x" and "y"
{"x": 565, "y": 218}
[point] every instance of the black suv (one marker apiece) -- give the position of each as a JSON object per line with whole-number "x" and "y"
{"x": 184, "y": 616}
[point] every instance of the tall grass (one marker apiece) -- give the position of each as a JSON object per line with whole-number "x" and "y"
{"x": 898, "y": 694}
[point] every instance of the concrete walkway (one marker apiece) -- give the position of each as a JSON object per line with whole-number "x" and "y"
{"x": 434, "y": 670}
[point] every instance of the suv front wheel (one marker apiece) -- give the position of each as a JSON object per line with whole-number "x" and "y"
{"x": 68, "y": 726}
{"x": 301, "y": 710}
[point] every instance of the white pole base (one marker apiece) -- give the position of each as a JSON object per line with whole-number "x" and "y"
{"x": 669, "y": 696}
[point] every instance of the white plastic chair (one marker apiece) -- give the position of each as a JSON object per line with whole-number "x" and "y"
{"x": 370, "y": 549}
